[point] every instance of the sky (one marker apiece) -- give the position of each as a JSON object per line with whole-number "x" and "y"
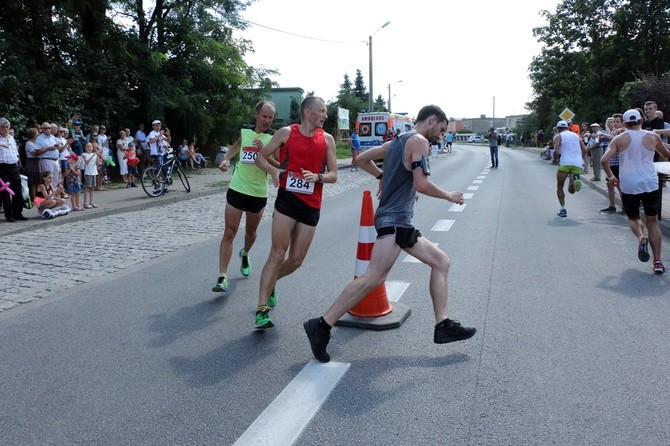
{"x": 469, "y": 58}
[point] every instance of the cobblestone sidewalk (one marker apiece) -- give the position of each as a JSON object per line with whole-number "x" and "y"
{"x": 29, "y": 256}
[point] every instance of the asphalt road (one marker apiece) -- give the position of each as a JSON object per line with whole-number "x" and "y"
{"x": 572, "y": 345}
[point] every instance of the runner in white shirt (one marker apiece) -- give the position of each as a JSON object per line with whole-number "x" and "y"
{"x": 639, "y": 182}
{"x": 571, "y": 149}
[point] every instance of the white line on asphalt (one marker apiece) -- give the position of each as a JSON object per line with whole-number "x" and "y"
{"x": 394, "y": 290}
{"x": 457, "y": 207}
{"x": 443, "y": 225}
{"x": 481, "y": 177}
{"x": 473, "y": 187}
{"x": 477, "y": 181}
{"x": 282, "y": 422}
{"x": 467, "y": 196}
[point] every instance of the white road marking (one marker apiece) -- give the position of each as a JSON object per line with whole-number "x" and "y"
{"x": 473, "y": 187}
{"x": 481, "y": 177}
{"x": 477, "y": 181}
{"x": 467, "y": 196}
{"x": 282, "y": 422}
{"x": 443, "y": 225}
{"x": 457, "y": 207}
{"x": 395, "y": 290}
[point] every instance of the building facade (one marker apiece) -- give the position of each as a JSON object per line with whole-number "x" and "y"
{"x": 482, "y": 124}
{"x": 283, "y": 97}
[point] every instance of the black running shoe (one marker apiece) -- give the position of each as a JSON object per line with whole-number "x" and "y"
{"x": 643, "y": 250}
{"x": 318, "y": 339}
{"x": 450, "y": 330}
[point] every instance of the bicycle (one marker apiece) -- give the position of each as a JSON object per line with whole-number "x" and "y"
{"x": 157, "y": 178}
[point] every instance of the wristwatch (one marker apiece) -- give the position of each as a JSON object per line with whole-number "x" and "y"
{"x": 320, "y": 178}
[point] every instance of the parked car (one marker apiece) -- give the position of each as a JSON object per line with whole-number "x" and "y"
{"x": 477, "y": 138}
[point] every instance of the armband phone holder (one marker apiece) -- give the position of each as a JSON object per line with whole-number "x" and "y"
{"x": 424, "y": 164}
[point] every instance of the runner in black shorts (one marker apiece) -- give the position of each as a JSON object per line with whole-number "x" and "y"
{"x": 247, "y": 192}
{"x": 289, "y": 205}
{"x": 245, "y": 203}
{"x": 639, "y": 183}
{"x": 307, "y": 159}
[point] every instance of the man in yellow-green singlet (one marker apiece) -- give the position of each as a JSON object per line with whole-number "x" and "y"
{"x": 247, "y": 192}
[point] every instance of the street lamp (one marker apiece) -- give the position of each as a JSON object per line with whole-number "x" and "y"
{"x": 370, "y": 99}
{"x": 389, "y": 102}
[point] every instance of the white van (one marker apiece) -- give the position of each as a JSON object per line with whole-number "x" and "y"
{"x": 374, "y": 129}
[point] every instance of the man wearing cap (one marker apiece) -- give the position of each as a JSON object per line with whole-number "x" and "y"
{"x": 597, "y": 145}
{"x": 639, "y": 182}
{"x": 77, "y": 135}
{"x": 571, "y": 149}
{"x": 12, "y": 205}
{"x": 155, "y": 140}
{"x": 50, "y": 147}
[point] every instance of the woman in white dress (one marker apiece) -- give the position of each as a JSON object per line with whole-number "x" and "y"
{"x": 121, "y": 148}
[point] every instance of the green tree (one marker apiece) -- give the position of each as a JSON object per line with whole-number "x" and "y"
{"x": 192, "y": 67}
{"x": 117, "y": 63}
{"x": 360, "y": 90}
{"x": 380, "y": 104}
{"x": 345, "y": 87}
{"x": 295, "y": 111}
{"x": 591, "y": 50}
{"x": 347, "y": 99}
{"x": 648, "y": 88}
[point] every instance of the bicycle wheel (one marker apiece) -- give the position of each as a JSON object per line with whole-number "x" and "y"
{"x": 152, "y": 181}
{"x": 184, "y": 180}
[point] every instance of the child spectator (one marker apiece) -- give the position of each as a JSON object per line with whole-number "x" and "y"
{"x": 99, "y": 161}
{"x": 73, "y": 179}
{"x": 90, "y": 174}
{"x": 133, "y": 161}
{"x": 47, "y": 198}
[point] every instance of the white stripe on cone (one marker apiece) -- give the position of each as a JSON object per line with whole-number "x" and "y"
{"x": 367, "y": 234}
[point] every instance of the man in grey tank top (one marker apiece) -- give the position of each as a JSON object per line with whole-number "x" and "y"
{"x": 405, "y": 172}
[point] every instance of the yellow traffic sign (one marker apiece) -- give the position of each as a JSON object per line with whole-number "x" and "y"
{"x": 566, "y": 114}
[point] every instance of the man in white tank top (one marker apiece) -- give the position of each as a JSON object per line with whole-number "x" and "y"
{"x": 639, "y": 182}
{"x": 571, "y": 149}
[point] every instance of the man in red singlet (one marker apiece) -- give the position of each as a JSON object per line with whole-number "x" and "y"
{"x": 307, "y": 159}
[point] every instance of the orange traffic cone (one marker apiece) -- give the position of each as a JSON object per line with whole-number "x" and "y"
{"x": 376, "y": 302}
{"x": 374, "y": 311}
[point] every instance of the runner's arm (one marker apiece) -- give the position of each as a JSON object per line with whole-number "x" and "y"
{"x": 366, "y": 160}
{"x": 280, "y": 137}
{"x": 234, "y": 150}
{"x": 557, "y": 148}
{"x": 330, "y": 176}
{"x": 660, "y": 147}
{"x": 418, "y": 148}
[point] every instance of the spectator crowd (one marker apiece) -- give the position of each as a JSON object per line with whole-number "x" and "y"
{"x": 62, "y": 162}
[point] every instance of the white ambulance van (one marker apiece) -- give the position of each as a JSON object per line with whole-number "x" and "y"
{"x": 374, "y": 129}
